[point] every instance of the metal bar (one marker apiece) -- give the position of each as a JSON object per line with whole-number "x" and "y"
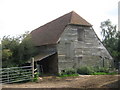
{"x": 35, "y": 70}
{"x": 18, "y": 76}
{"x": 14, "y": 79}
{"x": 16, "y": 67}
{"x": 25, "y": 72}
{"x": 17, "y": 81}
{"x": 17, "y": 71}
{"x": 15, "y": 74}
{"x": 20, "y": 80}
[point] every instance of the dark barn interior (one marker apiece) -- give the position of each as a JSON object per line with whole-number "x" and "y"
{"x": 48, "y": 65}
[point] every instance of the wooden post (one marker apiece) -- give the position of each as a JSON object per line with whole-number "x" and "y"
{"x": 33, "y": 67}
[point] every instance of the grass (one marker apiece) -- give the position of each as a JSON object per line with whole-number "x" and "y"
{"x": 68, "y": 75}
{"x": 95, "y": 71}
{"x": 104, "y": 73}
{"x": 87, "y": 71}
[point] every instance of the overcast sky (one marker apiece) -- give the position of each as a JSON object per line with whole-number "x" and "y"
{"x": 18, "y": 16}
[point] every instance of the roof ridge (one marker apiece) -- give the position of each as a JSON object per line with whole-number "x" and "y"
{"x": 71, "y": 16}
{"x": 77, "y": 19}
{"x": 50, "y": 32}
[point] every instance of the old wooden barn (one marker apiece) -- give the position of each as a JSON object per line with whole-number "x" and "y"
{"x": 69, "y": 42}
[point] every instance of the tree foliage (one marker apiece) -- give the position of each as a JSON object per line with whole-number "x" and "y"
{"x": 111, "y": 39}
{"x": 17, "y": 50}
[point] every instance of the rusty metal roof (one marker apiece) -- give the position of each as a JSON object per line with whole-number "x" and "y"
{"x": 50, "y": 32}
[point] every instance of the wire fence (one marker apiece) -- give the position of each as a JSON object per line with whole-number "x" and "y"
{"x": 15, "y": 74}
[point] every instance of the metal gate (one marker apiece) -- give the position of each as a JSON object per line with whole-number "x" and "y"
{"x": 15, "y": 74}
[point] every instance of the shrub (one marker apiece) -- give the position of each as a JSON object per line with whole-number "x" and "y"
{"x": 85, "y": 70}
{"x": 68, "y": 72}
{"x": 101, "y": 69}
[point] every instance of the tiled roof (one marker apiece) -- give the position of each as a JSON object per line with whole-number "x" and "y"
{"x": 76, "y": 19}
{"x": 50, "y": 32}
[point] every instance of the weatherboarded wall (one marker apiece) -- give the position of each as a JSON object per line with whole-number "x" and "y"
{"x": 79, "y": 46}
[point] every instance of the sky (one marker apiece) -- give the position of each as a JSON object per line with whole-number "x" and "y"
{"x": 19, "y": 16}
{"x": 119, "y": 16}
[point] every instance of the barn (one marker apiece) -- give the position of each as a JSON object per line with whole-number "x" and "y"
{"x": 68, "y": 42}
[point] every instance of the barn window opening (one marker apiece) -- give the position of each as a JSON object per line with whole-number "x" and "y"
{"x": 81, "y": 34}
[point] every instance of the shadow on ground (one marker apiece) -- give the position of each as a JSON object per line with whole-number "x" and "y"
{"x": 115, "y": 84}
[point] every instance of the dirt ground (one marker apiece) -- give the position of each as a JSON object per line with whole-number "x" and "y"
{"x": 82, "y": 81}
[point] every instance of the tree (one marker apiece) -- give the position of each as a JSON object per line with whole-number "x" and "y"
{"x": 10, "y": 47}
{"x": 111, "y": 39}
{"x": 108, "y": 30}
{"x": 17, "y": 50}
{"x": 26, "y": 48}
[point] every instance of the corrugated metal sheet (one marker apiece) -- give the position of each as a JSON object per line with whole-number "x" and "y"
{"x": 50, "y": 32}
{"x": 43, "y": 55}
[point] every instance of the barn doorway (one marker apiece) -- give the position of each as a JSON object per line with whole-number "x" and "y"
{"x": 48, "y": 65}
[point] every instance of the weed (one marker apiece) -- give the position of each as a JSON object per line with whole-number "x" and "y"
{"x": 36, "y": 76}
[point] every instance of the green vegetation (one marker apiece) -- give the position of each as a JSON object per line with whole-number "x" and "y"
{"x": 68, "y": 73}
{"x": 36, "y": 76}
{"x": 17, "y": 50}
{"x": 111, "y": 40}
{"x": 101, "y": 69}
{"x": 88, "y": 71}
{"x": 103, "y": 73}
{"x": 85, "y": 70}
{"x": 95, "y": 71}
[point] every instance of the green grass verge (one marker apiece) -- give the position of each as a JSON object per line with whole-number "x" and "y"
{"x": 103, "y": 73}
{"x": 70, "y": 75}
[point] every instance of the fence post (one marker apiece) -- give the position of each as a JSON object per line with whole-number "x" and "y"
{"x": 33, "y": 67}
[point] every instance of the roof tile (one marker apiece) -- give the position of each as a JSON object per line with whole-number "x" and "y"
{"x": 50, "y": 32}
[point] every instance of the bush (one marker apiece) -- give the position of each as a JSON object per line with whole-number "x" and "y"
{"x": 85, "y": 70}
{"x": 101, "y": 69}
{"x": 71, "y": 71}
{"x": 68, "y": 72}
